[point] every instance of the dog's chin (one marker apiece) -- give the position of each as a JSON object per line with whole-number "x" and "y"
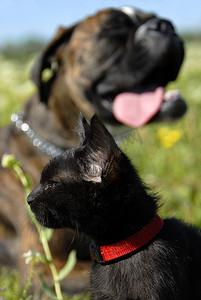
{"x": 170, "y": 111}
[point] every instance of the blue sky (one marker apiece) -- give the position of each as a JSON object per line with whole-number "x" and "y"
{"x": 26, "y": 18}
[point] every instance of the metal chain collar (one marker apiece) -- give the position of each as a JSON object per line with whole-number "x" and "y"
{"x": 38, "y": 142}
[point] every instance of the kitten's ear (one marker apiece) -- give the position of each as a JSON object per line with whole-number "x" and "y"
{"x": 83, "y": 129}
{"x": 101, "y": 138}
{"x": 95, "y": 134}
{"x": 100, "y": 149}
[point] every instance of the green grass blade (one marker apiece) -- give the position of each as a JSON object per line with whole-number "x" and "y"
{"x": 70, "y": 264}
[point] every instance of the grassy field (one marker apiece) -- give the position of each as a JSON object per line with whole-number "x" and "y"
{"x": 167, "y": 155}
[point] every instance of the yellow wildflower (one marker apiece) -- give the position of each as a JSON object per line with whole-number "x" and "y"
{"x": 168, "y": 137}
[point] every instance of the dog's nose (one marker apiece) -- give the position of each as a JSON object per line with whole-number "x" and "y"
{"x": 160, "y": 25}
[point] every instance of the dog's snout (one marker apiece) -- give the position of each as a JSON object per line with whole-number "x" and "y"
{"x": 160, "y": 25}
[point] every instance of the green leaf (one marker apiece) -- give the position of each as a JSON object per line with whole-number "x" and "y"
{"x": 70, "y": 264}
{"x": 29, "y": 297}
{"x": 42, "y": 258}
{"x": 48, "y": 233}
{"x": 9, "y": 161}
{"x": 47, "y": 290}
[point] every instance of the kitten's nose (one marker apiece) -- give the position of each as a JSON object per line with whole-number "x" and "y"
{"x": 33, "y": 195}
{"x": 30, "y": 199}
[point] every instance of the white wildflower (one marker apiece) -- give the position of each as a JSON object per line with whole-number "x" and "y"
{"x": 28, "y": 257}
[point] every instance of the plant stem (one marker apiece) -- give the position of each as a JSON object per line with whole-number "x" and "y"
{"x": 19, "y": 173}
{"x": 51, "y": 264}
{"x": 29, "y": 282}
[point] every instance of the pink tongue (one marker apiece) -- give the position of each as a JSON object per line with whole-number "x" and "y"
{"x": 136, "y": 110}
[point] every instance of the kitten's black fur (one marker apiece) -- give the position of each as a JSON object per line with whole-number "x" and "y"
{"x": 95, "y": 189}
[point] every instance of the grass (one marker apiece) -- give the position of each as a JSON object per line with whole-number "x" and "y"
{"x": 166, "y": 155}
{"x": 9, "y": 285}
{"x": 15, "y": 85}
{"x": 10, "y": 288}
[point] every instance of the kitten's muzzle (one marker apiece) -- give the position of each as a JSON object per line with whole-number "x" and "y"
{"x": 34, "y": 194}
{"x": 30, "y": 199}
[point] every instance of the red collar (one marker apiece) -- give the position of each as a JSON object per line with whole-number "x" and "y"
{"x": 103, "y": 254}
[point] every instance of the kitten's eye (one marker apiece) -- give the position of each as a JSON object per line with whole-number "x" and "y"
{"x": 51, "y": 185}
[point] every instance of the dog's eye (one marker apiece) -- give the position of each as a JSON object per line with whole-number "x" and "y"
{"x": 51, "y": 185}
{"x": 113, "y": 31}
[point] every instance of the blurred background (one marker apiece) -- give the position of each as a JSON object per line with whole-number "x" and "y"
{"x": 35, "y": 18}
{"x": 168, "y": 156}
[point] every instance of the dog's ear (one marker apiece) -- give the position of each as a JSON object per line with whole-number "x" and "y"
{"x": 46, "y": 67}
{"x": 100, "y": 150}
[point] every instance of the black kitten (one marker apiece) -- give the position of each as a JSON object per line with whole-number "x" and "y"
{"x": 95, "y": 189}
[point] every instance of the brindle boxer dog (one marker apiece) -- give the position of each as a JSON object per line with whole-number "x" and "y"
{"x": 115, "y": 63}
